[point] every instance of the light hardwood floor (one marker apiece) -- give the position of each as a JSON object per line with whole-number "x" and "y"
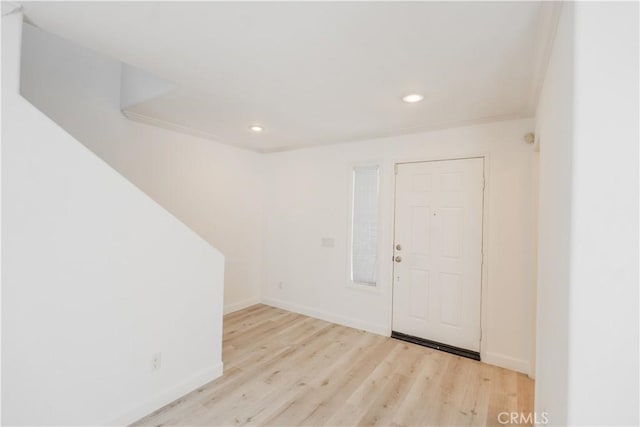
{"x": 285, "y": 369}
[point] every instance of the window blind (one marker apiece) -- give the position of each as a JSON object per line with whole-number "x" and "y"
{"x": 364, "y": 226}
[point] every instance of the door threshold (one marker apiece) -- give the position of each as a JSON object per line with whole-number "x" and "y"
{"x": 436, "y": 345}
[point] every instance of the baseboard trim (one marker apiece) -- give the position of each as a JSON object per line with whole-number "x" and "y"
{"x": 326, "y": 316}
{"x": 507, "y": 362}
{"x": 240, "y": 305}
{"x": 168, "y": 395}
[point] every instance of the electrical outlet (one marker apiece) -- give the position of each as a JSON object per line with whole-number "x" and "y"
{"x": 156, "y": 361}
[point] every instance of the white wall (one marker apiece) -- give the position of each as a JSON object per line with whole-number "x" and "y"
{"x": 587, "y": 360}
{"x": 307, "y": 198}
{"x": 535, "y": 181}
{"x": 555, "y": 133}
{"x": 604, "y": 236}
{"x": 96, "y": 278}
{"x": 213, "y": 188}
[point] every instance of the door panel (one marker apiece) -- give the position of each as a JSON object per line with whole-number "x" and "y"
{"x": 419, "y": 292}
{"x": 438, "y": 225}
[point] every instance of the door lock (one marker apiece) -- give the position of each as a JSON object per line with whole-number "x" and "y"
{"x": 398, "y": 247}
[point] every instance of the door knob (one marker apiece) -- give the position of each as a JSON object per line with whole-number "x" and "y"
{"x": 398, "y": 258}
{"x": 398, "y": 247}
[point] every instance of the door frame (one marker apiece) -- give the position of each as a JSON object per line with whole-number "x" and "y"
{"x": 389, "y": 252}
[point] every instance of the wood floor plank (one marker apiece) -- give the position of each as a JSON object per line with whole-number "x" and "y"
{"x": 452, "y": 393}
{"x": 297, "y": 331}
{"x": 286, "y": 369}
{"x": 503, "y": 397}
{"x": 383, "y": 408}
{"x": 477, "y": 398}
{"x": 278, "y": 376}
{"x": 347, "y": 383}
{"x": 413, "y": 409}
{"x": 319, "y": 380}
{"x": 524, "y": 393}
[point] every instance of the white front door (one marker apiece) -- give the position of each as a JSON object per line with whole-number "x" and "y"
{"x": 438, "y": 251}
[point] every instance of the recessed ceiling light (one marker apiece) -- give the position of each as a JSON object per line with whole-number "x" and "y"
{"x": 256, "y": 128}
{"x": 412, "y": 98}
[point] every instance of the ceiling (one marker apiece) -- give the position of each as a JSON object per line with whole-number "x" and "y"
{"x": 317, "y": 72}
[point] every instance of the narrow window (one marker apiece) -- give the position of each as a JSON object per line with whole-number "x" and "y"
{"x": 364, "y": 225}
